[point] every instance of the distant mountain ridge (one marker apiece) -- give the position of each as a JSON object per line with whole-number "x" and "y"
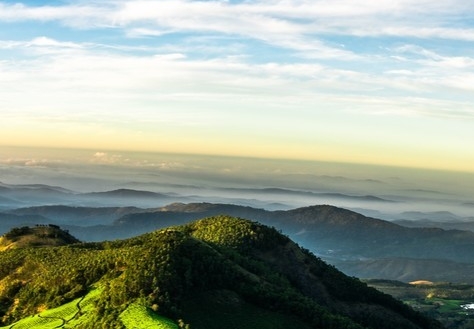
{"x": 323, "y": 224}
{"x": 42, "y": 187}
{"x": 73, "y": 215}
{"x": 343, "y": 237}
{"x": 15, "y": 196}
{"x": 338, "y": 235}
{"x": 276, "y": 190}
{"x": 27, "y": 195}
{"x": 126, "y": 193}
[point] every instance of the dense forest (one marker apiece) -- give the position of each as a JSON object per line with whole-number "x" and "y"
{"x": 212, "y": 273}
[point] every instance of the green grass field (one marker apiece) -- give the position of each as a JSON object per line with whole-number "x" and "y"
{"x": 65, "y": 316}
{"x": 78, "y": 312}
{"x": 447, "y": 305}
{"x": 140, "y": 317}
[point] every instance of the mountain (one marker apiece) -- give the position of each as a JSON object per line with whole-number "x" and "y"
{"x": 339, "y": 236}
{"x": 40, "y": 187}
{"x": 290, "y": 192}
{"x": 460, "y": 223}
{"x": 329, "y": 231}
{"x": 126, "y": 193}
{"x": 81, "y": 216}
{"x": 8, "y": 220}
{"x": 37, "y": 236}
{"x": 14, "y": 196}
{"x": 217, "y": 272}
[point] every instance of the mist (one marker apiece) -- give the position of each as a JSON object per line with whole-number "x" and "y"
{"x": 389, "y": 193}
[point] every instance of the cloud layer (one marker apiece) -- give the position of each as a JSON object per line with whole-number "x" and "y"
{"x": 282, "y": 73}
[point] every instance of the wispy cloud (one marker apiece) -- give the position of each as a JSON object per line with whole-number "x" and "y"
{"x": 260, "y": 17}
{"x": 300, "y": 26}
{"x": 76, "y": 76}
{"x": 153, "y": 69}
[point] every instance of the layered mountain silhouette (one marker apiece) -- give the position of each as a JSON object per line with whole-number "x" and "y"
{"x": 217, "y": 272}
{"x": 331, "y": 231}
{"x": 342, "y": 237}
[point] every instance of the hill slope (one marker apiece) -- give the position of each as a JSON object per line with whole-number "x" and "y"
{"x": 218, "y": 272}
{"x": 37, "y": 236}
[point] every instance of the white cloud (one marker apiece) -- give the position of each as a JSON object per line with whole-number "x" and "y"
{"x": 295, "y": 25}
{"x": 48, "y": 42}
{"x": 84, "y": 16}
{"x": 168, "y": 88}
{"x": 32, "y": 162}
{"x": 165, "y": 83}
{"x": 106, "y": 158}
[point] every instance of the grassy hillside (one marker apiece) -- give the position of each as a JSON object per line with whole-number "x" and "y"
{"x": 218, "y": 272}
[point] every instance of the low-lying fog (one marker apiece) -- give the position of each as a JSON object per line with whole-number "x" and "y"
{"x": 384, "y": 192}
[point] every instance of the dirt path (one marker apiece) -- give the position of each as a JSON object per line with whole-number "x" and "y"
{"x": 54, "y": 317}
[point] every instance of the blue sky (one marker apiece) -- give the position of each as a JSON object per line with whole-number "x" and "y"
{"x": 383, "y": 82}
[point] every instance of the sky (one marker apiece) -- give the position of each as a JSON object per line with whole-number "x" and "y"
{"x": 388, "y": 82}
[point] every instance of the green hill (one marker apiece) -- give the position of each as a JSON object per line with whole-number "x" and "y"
{"x": 218, "y": 272}
{"x": 37, "y": 236}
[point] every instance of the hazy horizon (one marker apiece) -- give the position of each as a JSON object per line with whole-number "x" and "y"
{"x": 266, "y": 183}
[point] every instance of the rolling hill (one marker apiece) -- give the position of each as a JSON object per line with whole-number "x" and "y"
{"x": 217, "y": 272}
{"x": 361, "y": 246}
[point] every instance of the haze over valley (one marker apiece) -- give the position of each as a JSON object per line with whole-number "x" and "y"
{"x": 79, "y": 177}
{"x": 109, "y": 195}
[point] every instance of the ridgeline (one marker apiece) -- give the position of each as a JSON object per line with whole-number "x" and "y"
{"x": 217, "y": 272}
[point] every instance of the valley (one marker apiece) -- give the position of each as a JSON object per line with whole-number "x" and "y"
{"x": 450, "y": 303}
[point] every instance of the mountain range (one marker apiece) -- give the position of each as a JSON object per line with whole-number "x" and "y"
{"x": 361, "y": 246}
{"x": 25, "y": 195}
{"x": 213, "y": 273}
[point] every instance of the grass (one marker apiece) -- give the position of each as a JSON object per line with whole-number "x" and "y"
{"x": 78, "y": 312}
{"x": 447, "y": 305}
{"x": 137, "y": 316}
{"x": 36, "y": 322}
{"x": 65, "y": 316}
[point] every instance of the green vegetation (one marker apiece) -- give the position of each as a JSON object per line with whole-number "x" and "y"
{"x": 70, "y": 315}
{"x": 212, "y": 308}
{"x": 219, "y": 272}
{"x": 442, "y": 301}
{"x": 137, "y": 316}
{"x": 77, "y": 314}
{"x": 37, "y": 236}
